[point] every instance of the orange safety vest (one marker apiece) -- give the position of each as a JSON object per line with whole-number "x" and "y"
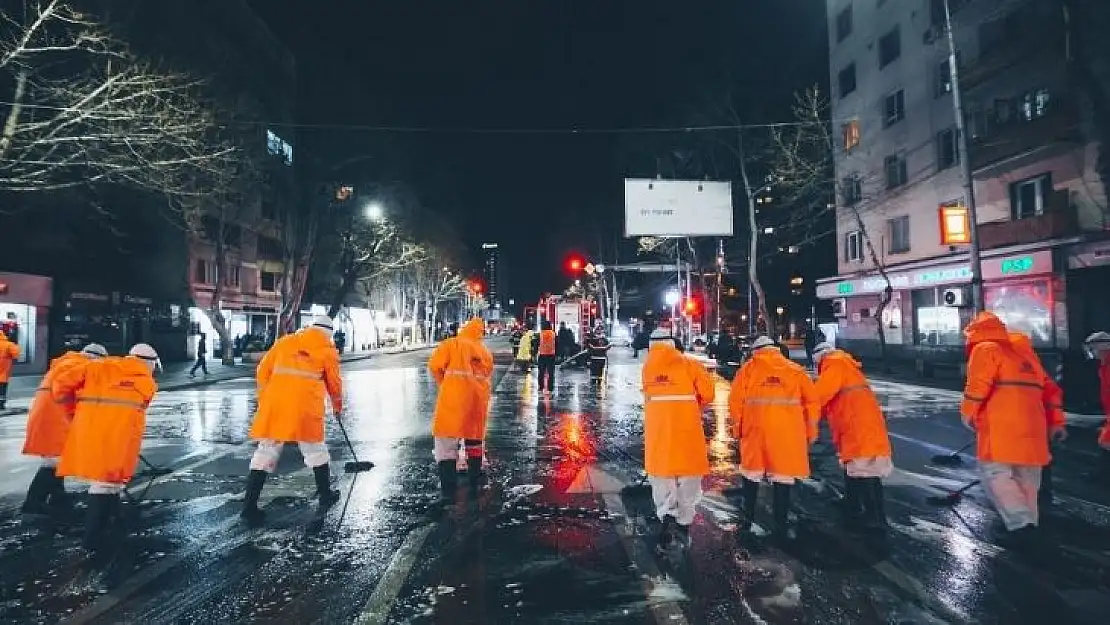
{"x": 547, "y": 343}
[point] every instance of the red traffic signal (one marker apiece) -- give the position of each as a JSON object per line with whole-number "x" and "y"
{"x": 691, "y": 306}
{"x": 575, "y": 264}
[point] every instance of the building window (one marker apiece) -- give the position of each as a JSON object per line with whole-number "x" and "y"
{"x": 890, "y": 47}
{"x": 847, "y": 80}
{"x": 896, "y": 172}
{"x": 851, "y": 189}
{"x": 1029, "y": 198}
{"x": 944, "y": 76}
{"x": 853, "y": 247}
{"x": 1034, "y": 104}
{"x": 232, "y": 277}
{"x": 844, "y": 24}
{"x": 898, "y": 229}
{"x": 205, "y": 272}
{"x": 1024, "y": 306}
{"x": 948, "y": 153}
{"x": 894, "y": 108}
{"x": 935, "y": 323}
{"x": 851, "y": 135}
{"x": 269, "y": 281}
{"x": 277, "y": 146}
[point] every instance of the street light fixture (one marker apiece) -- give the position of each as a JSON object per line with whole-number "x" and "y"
{"x": 672, "y": 297}
{"x": 374, "y": 211}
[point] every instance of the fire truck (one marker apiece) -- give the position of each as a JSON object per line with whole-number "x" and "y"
{"x": 579, "y": 314}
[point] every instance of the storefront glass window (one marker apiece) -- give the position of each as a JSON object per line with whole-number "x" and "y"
{"x": 1024, "y": 307}
{"x": 935, "y": 323}
{"x": 18, "y": 323}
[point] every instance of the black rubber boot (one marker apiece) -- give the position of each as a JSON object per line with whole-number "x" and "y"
{"x": 474, "y": 472}
{"x": 1044, "y": 495}
{"x": 750, "y": 494}
{"x": 781, "y": 503}
{"x": 448, "y": 478}
{"x": 667, "y": 531}
{"x": 39, "y": 492}
{"x": 853, "y": 502}
{"x": 255, "y": 480}
{"x": 98, "y": 519}
{"x": 328, "y": 495}
{"x": 874, "y": 506}
{"x": 60, "y": 502}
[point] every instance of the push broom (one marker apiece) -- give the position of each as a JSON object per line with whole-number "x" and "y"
{"x": 356, "y": 465}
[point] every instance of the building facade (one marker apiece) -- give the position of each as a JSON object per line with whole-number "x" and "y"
{"x": 1035, "y": 118}
{"x": 493, "y": 274}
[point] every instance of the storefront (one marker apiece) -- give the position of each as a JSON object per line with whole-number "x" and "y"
{"x": 1024, "y": 288}
{"x": 118, "y": 320}
{"x": 24, "y": 308}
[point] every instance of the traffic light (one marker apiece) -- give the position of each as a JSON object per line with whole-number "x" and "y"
{"x": 691, "y": 306}
{"x": 575, "y": 264}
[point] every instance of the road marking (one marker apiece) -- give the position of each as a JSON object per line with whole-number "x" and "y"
{"x": 665, "y": 613}
{"x": 380, "y": 604}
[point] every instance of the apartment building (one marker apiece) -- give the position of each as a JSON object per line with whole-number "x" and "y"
{"x": 1035, "y": 111}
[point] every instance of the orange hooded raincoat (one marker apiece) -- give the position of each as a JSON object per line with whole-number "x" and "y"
{"x": 855, "y": 418}
{"x": 49, "y": 417}
{"x": 1006, "y": 395}
{"x": 112, "y": 396}
{"x": 774, "y": 409}
{"x": 1054, "y": 395}
{"x": 9, "y": 353}
{"x": 675, "y": 391}
{"x": 462, "y": 367}
{"x": 294, "y": 377}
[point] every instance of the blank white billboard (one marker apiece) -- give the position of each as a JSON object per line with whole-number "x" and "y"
{"x": 677, "y": 208}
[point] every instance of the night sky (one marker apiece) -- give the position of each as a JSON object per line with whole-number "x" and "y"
{"x": 464, "y": 65}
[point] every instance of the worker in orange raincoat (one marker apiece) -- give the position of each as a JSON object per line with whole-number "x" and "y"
{"x": 775, "y": 410}
{"x": 1004, "y": 403}
{"x": 9, "y": 353}
{"x": 676, "y": 389}
{"x": 462, "y": 367}
{"x": 858, "y": 432}
{"x": 545, "y": 358}
{"x": 1097, "y": 347}
{"x": 112, "y": 395}
{"x": 47, "y": 429}
{"x": 294, "y": 377}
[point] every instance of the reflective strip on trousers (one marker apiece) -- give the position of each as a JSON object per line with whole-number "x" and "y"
{"x": 300, "y": 373}
{"x": 111, "y": 401}
{"x": 772, "y": 401}
{"x": 673, "y": 398}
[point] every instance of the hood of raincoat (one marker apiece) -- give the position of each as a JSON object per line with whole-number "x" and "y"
{"x": 986, "y": 327}
{"x": 664, "y": 352}
{"x": 474, "y": 330}
{"x": 841, "y": 358}
{"x": 313, "y": 337}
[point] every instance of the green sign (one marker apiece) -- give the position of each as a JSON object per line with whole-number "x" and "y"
{"x": 1021, "y": 264}
{"x": 845, "y": 288}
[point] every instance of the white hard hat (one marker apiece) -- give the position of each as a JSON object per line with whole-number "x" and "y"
{"x": 324, "y": 322}
{"x": 660, "y": 334}
{"x": 762, "y": 342}
{"x": 820, "y": 348}
{"x": 94, "y": 349}
{"x": 144, "y": 351}
{"x": 1096, "y": 344}
{"x": 1098, "y": 337}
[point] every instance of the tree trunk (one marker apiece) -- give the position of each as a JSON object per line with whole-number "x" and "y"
{"x": 435, "y": 318}
{"x": 215, "y": 312}
{"x": 887, "y": 294}
{"x": 415, "y": 309}
{"x": 753, "y": 248}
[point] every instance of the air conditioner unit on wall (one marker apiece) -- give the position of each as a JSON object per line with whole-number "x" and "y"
{"x": 840, "y": 307}
{"x": 958, "y": 297}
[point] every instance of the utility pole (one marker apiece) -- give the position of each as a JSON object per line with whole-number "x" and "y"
{"x": 720, "y": 280}
{"x": 965, "y": 166}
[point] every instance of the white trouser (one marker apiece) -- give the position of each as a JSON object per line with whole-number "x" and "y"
{"x": 105, "y": 488}
{"x": 447, "y": 448}
{"x": 759, "y": 476}
{"x": 48, "y": 463}
{"x": 1012, "y": 488}
{"x": 869, "y": 467}
{"x": 676, "y": 496}
{"x": 266, "y": 457}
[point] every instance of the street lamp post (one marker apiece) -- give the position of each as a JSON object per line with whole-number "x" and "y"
{"x": 965, "y": 166}
{"x": 671, "y": 298}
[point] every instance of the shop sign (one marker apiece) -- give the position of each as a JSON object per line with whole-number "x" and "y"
{"x": 139, "y": 301}
{"x": 1033, "y": 263}
{"x": 88, "y": 297}
{"x": 955, "y": 225}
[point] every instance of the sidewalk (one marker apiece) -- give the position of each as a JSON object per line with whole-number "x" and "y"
{"x": 175, "y": 376}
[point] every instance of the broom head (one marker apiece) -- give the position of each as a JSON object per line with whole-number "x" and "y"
{"x": 357, "y": 466}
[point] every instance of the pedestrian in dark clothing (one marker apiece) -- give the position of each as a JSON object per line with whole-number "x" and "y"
{"x": 566, "y": 345}
{"x": 202, "y": 357}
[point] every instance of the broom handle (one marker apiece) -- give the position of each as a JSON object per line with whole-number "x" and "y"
{"x": 967, "y": 487}
{"x": 343, "y": 429}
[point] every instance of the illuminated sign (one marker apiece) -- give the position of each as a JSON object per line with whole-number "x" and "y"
{"x": 1021, "y": 264}
{"x": 935, "y": 276}
{"x": 845, "y": 288}
{"x": 955, "y": 225}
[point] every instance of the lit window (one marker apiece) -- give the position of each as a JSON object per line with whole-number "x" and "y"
{"x": 277, "y": 146}
{"x": 850, "y": 133}
{"x": 853, "y": 248}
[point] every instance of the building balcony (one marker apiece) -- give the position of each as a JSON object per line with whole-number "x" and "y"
{"x": 1061, "y": 124}
{"x": 1059, "y": 222}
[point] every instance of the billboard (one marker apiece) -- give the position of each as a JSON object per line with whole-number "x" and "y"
{"x": 677, "y": 208}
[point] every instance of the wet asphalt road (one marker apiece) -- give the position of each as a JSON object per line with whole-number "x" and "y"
{"x": 552, "y": 540}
